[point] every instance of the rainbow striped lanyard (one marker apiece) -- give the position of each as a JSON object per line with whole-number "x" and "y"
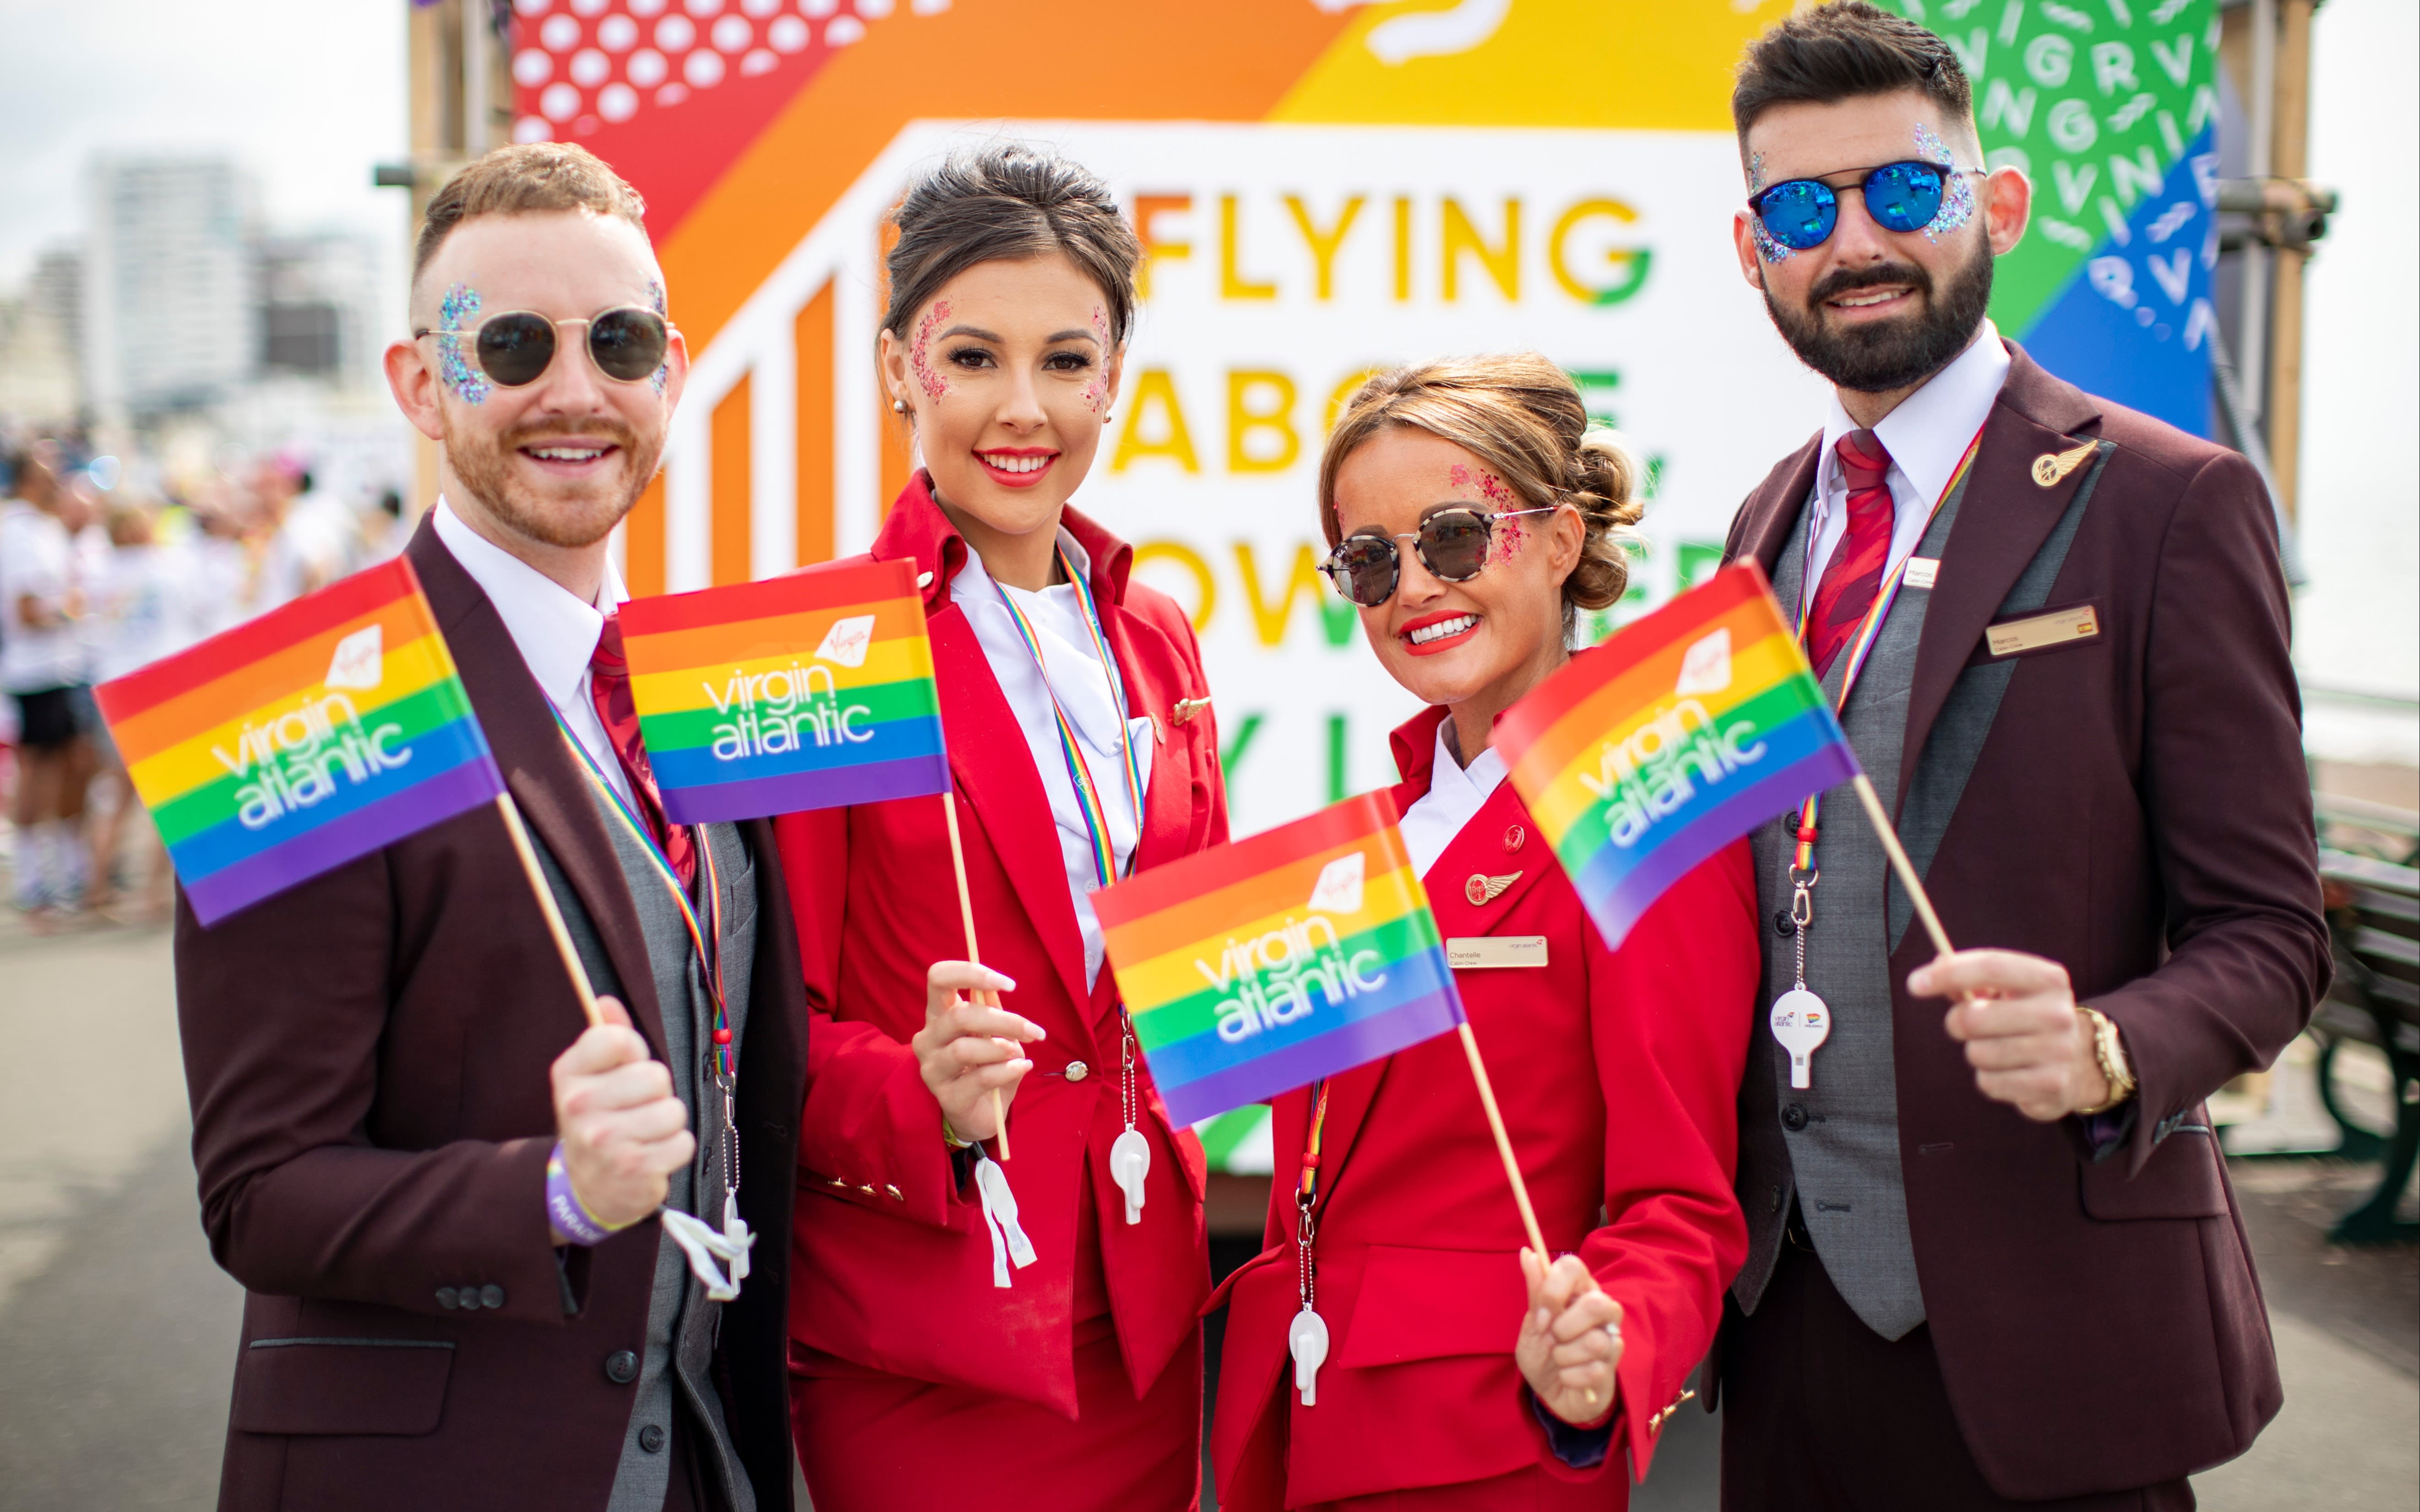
{"x": 1868, "y": 631}
{"x": 1306, "y": 1198}
{"x": 1306, "y": 1191}
{"x": 1080, "y": 772}
{"x": 709, "y": 956}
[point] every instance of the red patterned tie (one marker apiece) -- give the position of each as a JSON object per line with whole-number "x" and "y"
{"x": 1855, "y": 574}
{"x": 608, "y": 684}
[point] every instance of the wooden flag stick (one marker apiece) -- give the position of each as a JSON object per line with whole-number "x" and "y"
{"x": 1511, "y": 1164}
{"x": 1901, "y": 864}
{"x": 546, "y": 905}
{"x": 985, "y": 998}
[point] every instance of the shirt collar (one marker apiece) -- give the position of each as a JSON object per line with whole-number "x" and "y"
{"x": 1929, "y": 431}
{"x": 555, "y": 632}
{"x": 1471, "y": 784}
{"x": 974, "y": 580}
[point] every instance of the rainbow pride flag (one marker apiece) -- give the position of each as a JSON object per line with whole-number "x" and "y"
{"x": 1253, "y": 968}
{"x": 806, "y": 691}
{"x": 1644, "y": 756}
{"x": 292, "y": 743}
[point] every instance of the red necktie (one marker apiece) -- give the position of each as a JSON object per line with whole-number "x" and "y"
{"x": 1855, "y": 574}
{"x": 608, "y": 684}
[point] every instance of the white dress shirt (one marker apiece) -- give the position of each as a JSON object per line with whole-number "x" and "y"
{"x": 1455, "y": 796}
{"x": 1925, "y": 435}
{"x": 1083, "y": 689}
{"x": 555, "y": 632}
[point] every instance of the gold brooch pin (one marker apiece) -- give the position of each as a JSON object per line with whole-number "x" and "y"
{"x": 1483, "y": 888}
{"x": 1185, "y": 709}
{"x": 2051, "y": 467}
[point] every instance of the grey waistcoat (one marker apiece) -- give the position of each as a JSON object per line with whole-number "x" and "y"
{"x": 1842, "y": 1160}
{"x": 675, "y": 1367}
{"x": 1845, "y": 1163}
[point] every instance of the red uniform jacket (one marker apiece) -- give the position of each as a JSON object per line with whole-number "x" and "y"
{"x": 1617, "y": 1072}
{"x": 893, "y": 1261}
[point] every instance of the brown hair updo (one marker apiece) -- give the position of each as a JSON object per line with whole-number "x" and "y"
{"x": 1522, "y": 416}
{"x": 1008, "y": 201}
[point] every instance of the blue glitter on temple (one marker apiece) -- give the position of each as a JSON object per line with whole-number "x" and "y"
{"x": 459, "y": 309}
{"x": 1957, "y": 191}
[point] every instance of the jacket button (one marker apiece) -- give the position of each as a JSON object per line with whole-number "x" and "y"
{"x": 1793, "y": 1118}
{"x": 469, "y": 1299}
{"x": 620, "y": 1367}
{"x": 1078, "y": 1071}
{"x": 1514, "y": 839}
{"x": 651, "y": 1439}
{"x": 449, "y": 1299}
{"x": 923, "y": 579}
{"x": 492, "y": 1295}
{"x": 1783, "y": 924}
{"x": 1776, "y": 1205}
{"x": 896, "y": 1195}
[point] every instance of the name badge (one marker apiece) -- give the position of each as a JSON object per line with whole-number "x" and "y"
{"x": 2041, "y": 630}
{"x": 1479, "y": 953}
{"x": 1922, "y": 571}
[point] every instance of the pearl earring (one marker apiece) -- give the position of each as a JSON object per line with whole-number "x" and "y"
{"x": 898, "y": 407}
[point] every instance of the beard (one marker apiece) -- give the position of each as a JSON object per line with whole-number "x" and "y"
{"x": 575, "y": 517}
{"x": 1884, "y": 355}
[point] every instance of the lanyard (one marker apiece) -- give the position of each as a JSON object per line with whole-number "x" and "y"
{"x": 1306, "y": 1195}
{"x": 1861, "y": 645}
{"x": 1080, "y": 772}
{"x": 710, "y": 958}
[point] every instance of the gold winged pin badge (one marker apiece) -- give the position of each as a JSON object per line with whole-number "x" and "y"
{"x": 2051, "y": 468}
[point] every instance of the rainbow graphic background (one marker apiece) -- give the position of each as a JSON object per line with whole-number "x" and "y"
{"x": 353, "y": 693}
{"x": 1341, "y": 874}
{"x": 1700, "y": 721}
{"x": 806, "y": 691}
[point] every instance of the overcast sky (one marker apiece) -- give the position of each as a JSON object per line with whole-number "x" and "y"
{"x": 306, "y": 94}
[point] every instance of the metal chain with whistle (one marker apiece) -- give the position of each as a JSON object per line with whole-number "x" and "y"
{"x": 1130, "y": 1153}
{"x": 1800, "y": 1020}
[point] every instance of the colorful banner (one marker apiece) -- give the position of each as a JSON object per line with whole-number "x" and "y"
{"x": 2111, "y": 108}
{"x": 1260, "y": 966}
{"x": 806, "y": 691}
{"x": 290, "y": 745}
{"x": 1643, "y": 757}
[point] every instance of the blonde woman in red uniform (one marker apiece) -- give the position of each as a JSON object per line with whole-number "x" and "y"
{"x": 1015, "y": 1332}
{"x": 1471, "y": 515}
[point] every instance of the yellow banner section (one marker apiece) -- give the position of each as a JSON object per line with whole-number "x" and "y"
{"x": 220, "y": 751}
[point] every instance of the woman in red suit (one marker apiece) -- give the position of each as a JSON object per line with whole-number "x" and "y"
{"x": 964, "y": 1324}
{"x": 1472, "y": 516}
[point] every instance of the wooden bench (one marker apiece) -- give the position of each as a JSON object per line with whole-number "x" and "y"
{"x": 2373, "y": 905}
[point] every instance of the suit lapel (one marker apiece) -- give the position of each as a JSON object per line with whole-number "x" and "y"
{"x": 990, "y": 767}
{"x": 1478, "y": 852}
{"x": 2002, "y": 521}
{"x": 1772, "y": 512}
{"x": 547, "y": 783}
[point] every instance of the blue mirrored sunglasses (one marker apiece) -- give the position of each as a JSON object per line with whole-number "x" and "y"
{"x": 1801, "y": 213}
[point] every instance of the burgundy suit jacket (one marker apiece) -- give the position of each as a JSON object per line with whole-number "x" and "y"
{"x": 367, "y": 1057}
{"x": 2138, "y": 811}
{"x": 893, "y": 1269}
{"x": 1616, "y": 1070}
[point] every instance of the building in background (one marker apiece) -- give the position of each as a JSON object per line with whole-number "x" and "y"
{"x": 170, "y": 314}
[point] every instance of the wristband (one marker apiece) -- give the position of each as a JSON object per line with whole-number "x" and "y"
{"x": 563, "y": 1208}
{"x": 950, "y": 1137}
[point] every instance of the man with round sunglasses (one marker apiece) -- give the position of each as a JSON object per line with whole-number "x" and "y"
{"x": 1994, "y": 1259}
{"x": 441, "y": 1190}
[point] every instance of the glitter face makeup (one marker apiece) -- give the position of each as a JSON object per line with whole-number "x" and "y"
{"x": 1097, "y": 393}
{"x": 655, "y": 302}
{"x": 926, "y": 378}
{"x": 1490, "y": 486}
{"x": 1957, "y": 189}
{"x": 458, "y": 312}
{"x": 1767, "y": 248}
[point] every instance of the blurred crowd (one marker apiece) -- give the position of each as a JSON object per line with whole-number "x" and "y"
{"x": 105, "y": 566}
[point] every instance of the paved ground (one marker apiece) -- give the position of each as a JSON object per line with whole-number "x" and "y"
{"x": 117, "y": 1332}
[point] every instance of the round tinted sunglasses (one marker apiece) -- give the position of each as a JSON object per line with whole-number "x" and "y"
{"x": 516, "y": 346}
{"x": 1453, "y": 545}
{"x": 1802, "y": 213}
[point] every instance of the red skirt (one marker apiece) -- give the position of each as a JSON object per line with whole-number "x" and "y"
{"x": 1523, "y": 1490}
{"x": 874, "y": 1443}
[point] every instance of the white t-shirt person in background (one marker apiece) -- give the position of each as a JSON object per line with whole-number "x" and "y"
{"x": 43, "y": 665}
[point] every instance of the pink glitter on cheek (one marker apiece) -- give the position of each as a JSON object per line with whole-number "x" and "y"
{"x": 1509, "y": 537}
{"x": 930, "y": 381}
{"x": 1490, "y": 486}
{"x": 1097, "y": 393}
